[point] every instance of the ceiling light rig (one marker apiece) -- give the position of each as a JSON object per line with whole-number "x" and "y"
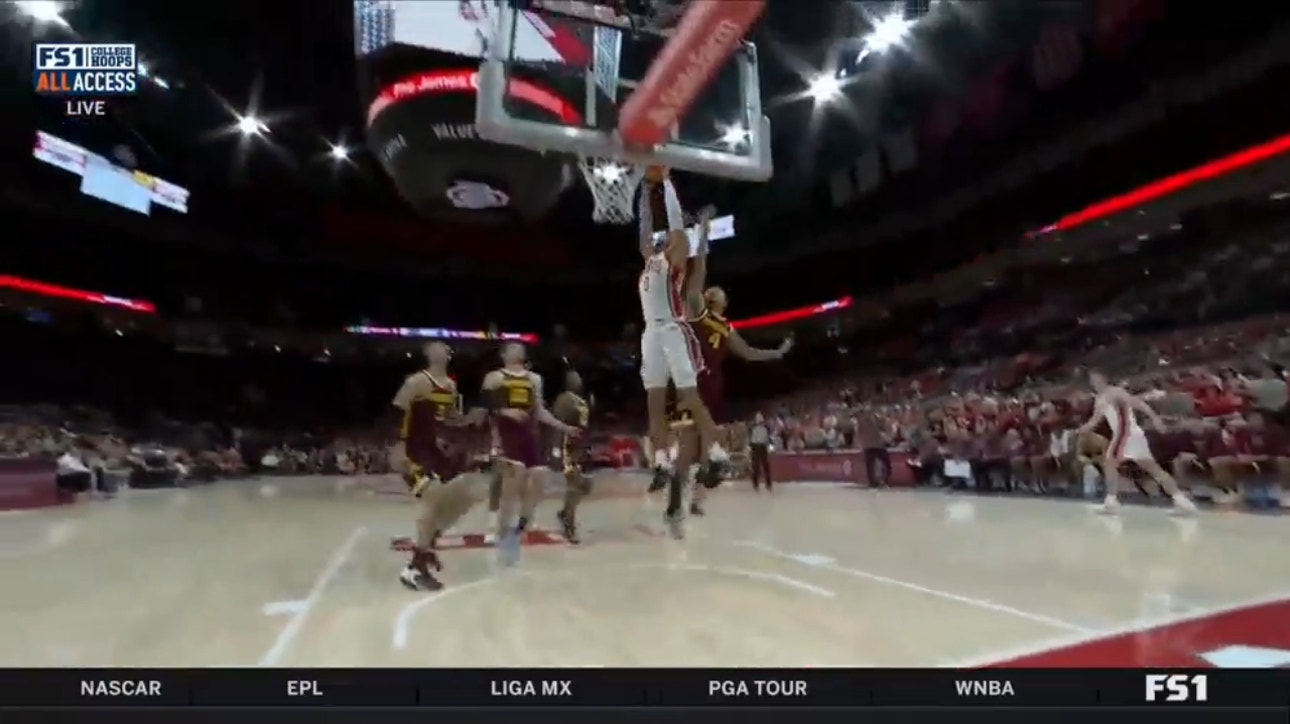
{"x": 735, "y": 136}
{"x": 250, "y": 125}
{"x": 824, "y": 88}
{"x": 43, "y": 11}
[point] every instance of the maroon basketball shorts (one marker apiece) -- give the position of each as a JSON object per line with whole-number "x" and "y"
{"x": 431, "y": 462}
{"x": 518, "y": 442}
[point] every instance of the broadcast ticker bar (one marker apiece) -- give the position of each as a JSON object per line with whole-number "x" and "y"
{"x": 531, "y": 688}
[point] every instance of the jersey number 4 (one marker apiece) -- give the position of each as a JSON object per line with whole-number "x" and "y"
{"x": 714, "y": 339}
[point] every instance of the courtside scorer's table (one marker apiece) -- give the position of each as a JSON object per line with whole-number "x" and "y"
{"x": 898, "y": 695}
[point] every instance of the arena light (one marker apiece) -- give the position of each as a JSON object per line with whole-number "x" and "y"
{"x": 824, "y": 87}
{"x": 789, "y": 315}
{"x": 610, "y": 172}
{"x": 338, "y": 152}
{"x": 735, "y": 135}
{"x": 80, "y": 295}
{"x": 43, "y": 11}
{"x": 251, "y": 126}
{"x": 1169, "y": 184}
{"x": 888, "y": 32}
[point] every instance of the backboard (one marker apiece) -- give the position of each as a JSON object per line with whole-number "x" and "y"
{"x": 596, "y": 60}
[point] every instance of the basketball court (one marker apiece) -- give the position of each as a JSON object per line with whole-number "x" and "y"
{"x": 299, "y": 572}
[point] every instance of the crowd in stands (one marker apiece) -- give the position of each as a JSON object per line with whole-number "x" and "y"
{"x": 1198, "y": 335}
{"x": 992, "y": 380}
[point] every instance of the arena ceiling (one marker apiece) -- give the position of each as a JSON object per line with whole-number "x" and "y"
{"x": 290, "y": 64}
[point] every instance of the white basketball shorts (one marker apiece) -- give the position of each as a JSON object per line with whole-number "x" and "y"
{"x": 1129, "y": 444}
{"x": 670, "y": 351}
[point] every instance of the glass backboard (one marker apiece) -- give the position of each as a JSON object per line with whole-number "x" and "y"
{"x": 597, "y": 63}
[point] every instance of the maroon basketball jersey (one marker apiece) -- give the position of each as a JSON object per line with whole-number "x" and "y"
{"x": 713, "y": 331}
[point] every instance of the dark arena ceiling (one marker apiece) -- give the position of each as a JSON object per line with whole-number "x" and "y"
{"x": 861, "y": 167}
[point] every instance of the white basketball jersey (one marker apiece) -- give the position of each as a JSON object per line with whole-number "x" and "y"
{"x": 660, "y": 288}
{"x": 1119, "y": 416}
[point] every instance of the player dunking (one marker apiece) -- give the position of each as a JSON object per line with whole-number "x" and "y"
{"x": 570, "y": 453}
{"x": 669, "y": 349}
{"x": 1128, "y": 442}
{"x": 514, "y": 393}
{"x": 434, "y": 446}
{"x": 716, "y": 337}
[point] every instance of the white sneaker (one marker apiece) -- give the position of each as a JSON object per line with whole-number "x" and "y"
{"x": 411, "y": 579}
{"x": 1110, "y": 506}
{"x": 1183, "y": 506}
{"x": 676, "y": 524}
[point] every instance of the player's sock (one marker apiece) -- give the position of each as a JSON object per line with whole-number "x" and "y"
{"x": 675, "y": 491}
{"x": 662, "y": 460}
{"x": 708, "y": 475}
{"x": 569, "y": 525}
{"x": 662, "y": 471}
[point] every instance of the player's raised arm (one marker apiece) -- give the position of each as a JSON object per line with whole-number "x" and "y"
{"x": 744, "y": 351}
{"x": 1139, "y": 404}
{"x": 645, "y": 214}
{"x": 698, "y": 276}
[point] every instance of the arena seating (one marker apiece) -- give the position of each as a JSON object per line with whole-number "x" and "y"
{"x": 1199, "y": 332}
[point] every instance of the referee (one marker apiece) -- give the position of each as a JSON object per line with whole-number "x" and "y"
{"x": 759, "y": 452}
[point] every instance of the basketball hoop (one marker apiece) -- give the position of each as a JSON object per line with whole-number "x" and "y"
{"x": 613, "y": 187}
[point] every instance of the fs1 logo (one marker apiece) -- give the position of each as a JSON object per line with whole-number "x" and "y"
{"x": 70, "y": 70}
{"x": 1178, "y": 687}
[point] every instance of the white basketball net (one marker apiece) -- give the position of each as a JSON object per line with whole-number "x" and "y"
{"x": 613, "y": 186}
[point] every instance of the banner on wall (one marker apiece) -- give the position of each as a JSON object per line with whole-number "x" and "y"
{"x": 849, "y": 466}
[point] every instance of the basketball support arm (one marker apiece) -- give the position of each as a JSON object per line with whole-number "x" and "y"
{"x": 493, "y": 123}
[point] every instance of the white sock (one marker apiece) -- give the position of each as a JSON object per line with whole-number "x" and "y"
{"x": 661, "y": 460}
